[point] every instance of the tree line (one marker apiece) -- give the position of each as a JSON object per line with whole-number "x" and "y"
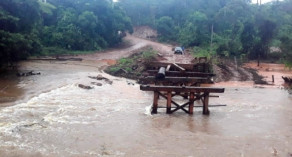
{"x": 219, "y": 27}
{"x": 29, "y": 26}
{"x": 209, "y": 27}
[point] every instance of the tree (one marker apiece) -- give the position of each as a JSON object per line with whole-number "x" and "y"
{"x": 166, "y": 29}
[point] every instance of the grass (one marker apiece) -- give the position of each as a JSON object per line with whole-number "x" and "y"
{"x": 133, "y": 66}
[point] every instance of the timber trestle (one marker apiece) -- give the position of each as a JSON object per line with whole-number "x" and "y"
{"x": 194, "y": 94}
{"x": 170, "y": 79}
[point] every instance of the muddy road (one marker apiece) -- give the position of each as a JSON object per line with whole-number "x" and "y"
{"x": 51, "y": 116}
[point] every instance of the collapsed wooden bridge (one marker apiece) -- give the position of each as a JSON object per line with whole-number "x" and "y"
{"x": 168, "y": 80}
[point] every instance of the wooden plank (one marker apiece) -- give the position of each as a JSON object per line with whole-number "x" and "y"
{"x": 155, "y": 102}
{"x": 181, "y": 89}
{"x": 168, "y": 67}
{"x": 156, "y": 65}
{"x": 205, "y": 104}
{"x": 197, "y": 67}
{"x": 151, "y": 79}
{"x": 168, "y": 105}
{"x": 179, "y": 67}
{"x": 181, "y": 74}
{"x": 191, "y": 106}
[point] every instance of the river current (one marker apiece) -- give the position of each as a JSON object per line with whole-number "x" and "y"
{"x": 54, "y": 117}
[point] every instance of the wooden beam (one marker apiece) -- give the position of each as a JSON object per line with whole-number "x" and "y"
{"x": 206, "y": 103}
{"x": 196, "y": 106}
{"x": 181, "y": 74}
{"x": 155, "y": 102}
{"x": 151, "y": 79}
{"x": 173, "y": 102}
{"x": 181, "y": 89}
{"x": 157, "y": 65}
{"x": 168, "y": 106}
{"x": 168, "y": 67}
{"x": 179, "y": 67}
{"x": 191, "y": 106}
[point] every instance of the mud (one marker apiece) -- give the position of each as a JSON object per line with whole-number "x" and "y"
{"x": 54, "y": 117}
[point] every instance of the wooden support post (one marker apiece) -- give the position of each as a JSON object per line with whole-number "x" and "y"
{"x": 206, "y": 104}
{"x": 168, "y": 67}
{"x": 191, "y": 105}
{"x": 155, "y": 102}
{"x": 168, "y": 105}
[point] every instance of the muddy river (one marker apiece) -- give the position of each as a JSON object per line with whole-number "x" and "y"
{"x": 49, "y": 115}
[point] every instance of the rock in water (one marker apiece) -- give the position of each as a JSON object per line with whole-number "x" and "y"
{"x": 96, "y": 83}
{"x": 84, "y": 86}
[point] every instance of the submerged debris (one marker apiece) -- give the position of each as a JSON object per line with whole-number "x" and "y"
{"x": 84, "y": 86}
{"x": 96, "y": 83}
{"x": 100, "y": 77}
{"x": 287, "y": 79}
{"x": 19, "y": 74}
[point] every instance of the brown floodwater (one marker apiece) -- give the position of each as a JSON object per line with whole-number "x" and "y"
{"x": 52, "y": 116}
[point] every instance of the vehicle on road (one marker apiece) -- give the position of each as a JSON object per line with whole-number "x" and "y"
{"x": 179, "y": 50}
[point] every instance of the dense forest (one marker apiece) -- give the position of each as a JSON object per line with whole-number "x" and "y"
{"x": 27, "y": 27}
{"x": 223, "y": 28}
{"x": 219, "y": 27}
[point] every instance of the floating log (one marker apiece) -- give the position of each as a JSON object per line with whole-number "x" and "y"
{"x": 160, "y": 74}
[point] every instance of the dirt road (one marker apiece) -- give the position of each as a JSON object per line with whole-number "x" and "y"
{"x": 134, "y": 45}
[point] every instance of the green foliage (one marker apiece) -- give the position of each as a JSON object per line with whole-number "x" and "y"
{"x": 28, "y": 25}
{"x": 203, "y": 52}
{"x": 18, "y": 33}
{"x": 166, "y": 29}
{"x": 240, "y": 27}
{"x": 85, "y": 25}
{"x": 133, "y": 65}
{"x": 149, "y": 54}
